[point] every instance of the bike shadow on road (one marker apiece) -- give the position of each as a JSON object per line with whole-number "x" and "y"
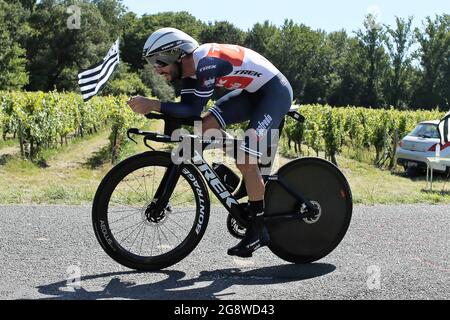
{"x": 176, "y": 285}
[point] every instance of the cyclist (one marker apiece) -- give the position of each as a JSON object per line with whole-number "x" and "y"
{"x": 260, "y": 94}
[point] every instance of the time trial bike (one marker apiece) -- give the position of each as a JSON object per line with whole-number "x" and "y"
{"x": 149, "y": 213}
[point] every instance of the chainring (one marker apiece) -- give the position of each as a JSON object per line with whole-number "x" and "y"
{"x": 234, "y": 228}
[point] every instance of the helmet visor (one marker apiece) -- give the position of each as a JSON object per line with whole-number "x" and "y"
{"x": 163, "y": 59}
{"x": 155, "y": 62}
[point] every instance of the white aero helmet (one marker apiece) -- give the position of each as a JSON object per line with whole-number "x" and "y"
{"x": 168, "y": 45}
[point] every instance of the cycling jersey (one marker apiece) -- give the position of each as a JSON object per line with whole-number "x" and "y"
{"x": 220, "y": 65}
{"x": 265, "y": 110}
{"x": 260, "y": 93}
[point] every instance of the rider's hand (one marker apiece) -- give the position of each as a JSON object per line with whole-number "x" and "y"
{"x": 144, "y": 105}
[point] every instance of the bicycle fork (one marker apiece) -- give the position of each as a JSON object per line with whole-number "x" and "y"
{"x": 165, "y": 190}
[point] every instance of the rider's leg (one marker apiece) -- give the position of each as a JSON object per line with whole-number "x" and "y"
{"x": 265, "y": 109}
{"x": 209, "y": 122}
{"x": 256, "y": 235}
{"x": 270, "y": 105}
{"x": 254, "y": 182}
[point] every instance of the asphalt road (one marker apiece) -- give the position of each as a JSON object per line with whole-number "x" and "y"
{"x": 390, "y": 252}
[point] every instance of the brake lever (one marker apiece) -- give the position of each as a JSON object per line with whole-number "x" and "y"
{"x": 132, "y": 131}
{"x": 147, "y": 145}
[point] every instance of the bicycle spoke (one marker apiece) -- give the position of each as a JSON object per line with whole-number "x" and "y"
{"x": 153, "y": 186}
{"x": 133, "y": 214}
{"x": 145, "y": 184}
{"x": 159, "y": 238}
{"x": 162, "y": 232}
{"x": 116, "y": 205}
{"x": 142, "y": 197}
{"x": 153, "y": 241}
{"x": 127, "y": 182}
{"x": 171, "y": 232}
{"x": 140, "y": 184}
{"x": 137, "y": 235}
{"x": 121, "y": 211}
{"x": 123, "y": 196}
{"x": 116, "y": 233}
{"x": 139, "y": 224}
{"x": 122, "y": 204}
{"x": 176, "y": 223}
{"x": 142, "y": 241}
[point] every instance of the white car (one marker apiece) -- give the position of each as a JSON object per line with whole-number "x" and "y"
{"x": 420, "y": 144}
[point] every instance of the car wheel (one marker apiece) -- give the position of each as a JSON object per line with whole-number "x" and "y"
{"x": 412, "y": 172}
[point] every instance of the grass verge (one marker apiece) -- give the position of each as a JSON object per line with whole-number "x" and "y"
{"x": 72, "y": 174}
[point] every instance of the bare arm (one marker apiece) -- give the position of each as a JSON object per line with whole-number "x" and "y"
{"x": 143, "y": 105}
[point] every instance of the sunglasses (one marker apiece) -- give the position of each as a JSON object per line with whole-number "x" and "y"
{"x": 160, "y": 64}
{"x": 156, "y": 62}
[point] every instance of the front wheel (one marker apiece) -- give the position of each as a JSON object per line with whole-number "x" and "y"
{"x": 135, "y": 234}
{"x": 308, "y": 240}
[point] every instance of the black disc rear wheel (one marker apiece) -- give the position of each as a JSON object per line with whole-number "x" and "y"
{"x": 308, "y": 240}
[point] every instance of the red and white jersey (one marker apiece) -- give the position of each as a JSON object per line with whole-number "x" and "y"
{"x": 232, "y": 67}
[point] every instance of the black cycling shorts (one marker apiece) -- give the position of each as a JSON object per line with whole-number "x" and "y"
{"x": 265, "y": 109}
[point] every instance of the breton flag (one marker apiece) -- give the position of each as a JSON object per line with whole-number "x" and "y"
{"x": 444, "y": 129}
{"x": 93, "y": 79}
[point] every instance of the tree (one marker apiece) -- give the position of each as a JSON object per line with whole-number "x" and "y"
{"x": 434, "y": 56}
{"x": 26, "y": 4}
{"x": 222, "y": 32}
{"x": 125, "y": 82}
{"x": 399, "y": 42}
{"x": 346, "y": 81}
{"x": 299, "y": 53}
{"x": 13, "y": 74}
{"x": 134, "y": 38}
{"x": 318, "y": 87}
{"x": 371, "y": 40}
{"x": 112, "y": 12}
{"x": 260, "y": 36}
{"x": 56, "y": 53}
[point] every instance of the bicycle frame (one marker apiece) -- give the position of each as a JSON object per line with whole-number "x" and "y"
{"x": 215, "y": 184}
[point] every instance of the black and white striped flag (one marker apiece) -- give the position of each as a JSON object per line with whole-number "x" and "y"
{"x": 444, "y": 129}
{"x": 92, "y": 80}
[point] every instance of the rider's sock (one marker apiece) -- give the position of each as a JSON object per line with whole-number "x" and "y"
{"x": 257, "y": 212}
{"x": 256, "y": 207}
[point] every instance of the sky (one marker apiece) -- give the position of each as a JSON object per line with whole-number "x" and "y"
{"x": 327, "y": 15}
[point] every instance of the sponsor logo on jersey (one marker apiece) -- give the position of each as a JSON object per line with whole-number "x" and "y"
{"x": 209, "y": 82}
{"x": 249, "y": 73}
{"x": 211, "y": 67}
{"x": 234, "y": 83}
